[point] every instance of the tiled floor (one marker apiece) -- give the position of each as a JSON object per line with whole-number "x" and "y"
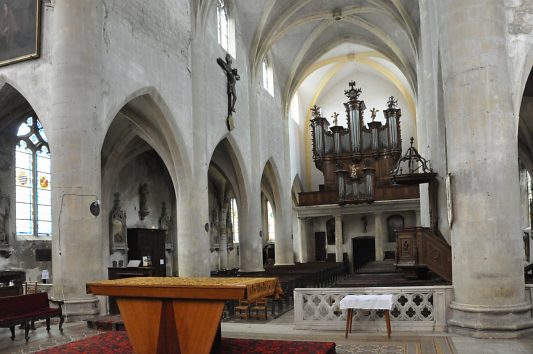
{"x": 282, "y": 328}
{"x": 41, "y": 339}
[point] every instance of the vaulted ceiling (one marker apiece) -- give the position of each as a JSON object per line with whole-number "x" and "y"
{"x": 297, "y": 34}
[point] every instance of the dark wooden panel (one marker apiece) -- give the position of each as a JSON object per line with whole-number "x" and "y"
{"x": 320, "y": 246}
{"x": 148, "y": 242}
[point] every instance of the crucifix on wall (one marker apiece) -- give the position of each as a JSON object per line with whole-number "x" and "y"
{"x": 232, "y": 77}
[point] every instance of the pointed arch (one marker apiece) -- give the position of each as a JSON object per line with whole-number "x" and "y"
{"x": 296, "y": 189}
{"x": 15, "y": 103}
{"x": 271, "y": 189}
{"x": 228, "y": 151}
{"x": 145, "y": 114}
{"x": 25, "y": 151}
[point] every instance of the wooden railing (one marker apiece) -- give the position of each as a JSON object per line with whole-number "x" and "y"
{"x": 418, "y": 248}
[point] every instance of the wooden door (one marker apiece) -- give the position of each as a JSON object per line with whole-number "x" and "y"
{"x": 320, "y": 246}
{"x": 364, "y": 251}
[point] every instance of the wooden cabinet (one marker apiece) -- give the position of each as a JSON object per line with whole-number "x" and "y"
{"x": 16, "y": 278}
{"x": 151, "y": 243}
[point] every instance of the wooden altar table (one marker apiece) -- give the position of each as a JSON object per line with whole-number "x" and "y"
{"x": 178, "y": 315}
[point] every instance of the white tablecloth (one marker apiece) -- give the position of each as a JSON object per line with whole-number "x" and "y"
{"x": 367, "y": 302}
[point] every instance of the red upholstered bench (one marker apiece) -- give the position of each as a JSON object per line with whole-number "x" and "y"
{"x": 25, "y": 309}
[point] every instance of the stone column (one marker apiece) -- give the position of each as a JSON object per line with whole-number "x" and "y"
{"x": 524, "y": 200}
{"x": 380, "y": 237}
{"x": 223, "y": 251}
{"x": 73, "y": 128}
{"x": 251, "y": 241}
{"x": 284, "y": 254}
{"x": 339, "y": 244}
{"x": 487, "y": 252}
{"x": 304, "y": 234}
{"x": 431, "y": 129}
{"x": 193, "y": 255}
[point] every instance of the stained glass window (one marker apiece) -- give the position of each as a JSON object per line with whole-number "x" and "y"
{"x": 32, "y": 180}
{"x": 271, "y": 223}
{"x": 234, "y": 219}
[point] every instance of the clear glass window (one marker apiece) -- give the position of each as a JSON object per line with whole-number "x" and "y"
{"x": 268, "y": 77}
{"x": 223, "y": 25}
{"x": 271, "y": 223}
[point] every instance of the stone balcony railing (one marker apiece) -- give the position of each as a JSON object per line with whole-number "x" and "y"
{"x": 416, "y": 308}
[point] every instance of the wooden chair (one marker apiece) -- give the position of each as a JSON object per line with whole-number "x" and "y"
{"x": 243, "y": 309}
{"x": 260, "y": 306}
{"x": 30, "y": 287}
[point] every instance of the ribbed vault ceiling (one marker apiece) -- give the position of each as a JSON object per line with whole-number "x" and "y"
{"x": 296, "y": 34}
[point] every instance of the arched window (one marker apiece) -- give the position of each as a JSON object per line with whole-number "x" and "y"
{"x": 234, "y": 212}
{"x": 268, "y": 77}
{"x": 32, "y": 180}
{"x": 271, "y": 225}
{"x": 225, "y": 28}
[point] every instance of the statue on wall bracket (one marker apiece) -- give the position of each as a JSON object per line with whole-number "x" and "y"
{"x": 144, "y": 210}
{"x": 117, "y": 227}
{"x": 165, "y": 223}
{"x": 232, "y": 76}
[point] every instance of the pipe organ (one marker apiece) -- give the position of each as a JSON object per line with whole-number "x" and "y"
{"x": 356, "y": 160}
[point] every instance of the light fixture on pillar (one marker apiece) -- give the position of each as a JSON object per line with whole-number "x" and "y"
{"x": 95, "y": 207}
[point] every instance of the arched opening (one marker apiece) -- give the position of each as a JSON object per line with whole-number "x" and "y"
{"x": 525, "y": 159}
{"x": 227, "y": 202}
{"x": 139, "y": 190}
{"x": 270, "y": 213}
{"x": 25, "y": 187}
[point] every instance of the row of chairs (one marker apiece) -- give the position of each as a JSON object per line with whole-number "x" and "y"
{"x": 257, "y": 309}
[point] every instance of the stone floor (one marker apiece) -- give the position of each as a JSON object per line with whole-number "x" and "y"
{"x": 282, "y": 328}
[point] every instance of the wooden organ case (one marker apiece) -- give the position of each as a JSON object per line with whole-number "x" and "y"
{"x": 356, "y": 161}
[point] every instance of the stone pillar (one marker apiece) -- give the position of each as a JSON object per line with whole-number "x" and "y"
{"x": 73, "y": 128}
{"x": 431, "y": 128}
{"x": 524, "y": 200}
{"x": 487, "y": 252}
{"x": 339, "y": 244}
{"x": 193, "y": 255}
{"x": 284, "y": 254}
{"x": 304, "y": 235}
{"x": 251, "y": 241}
{"x": 223, "y": 251}
{"x": 380, "y": 237}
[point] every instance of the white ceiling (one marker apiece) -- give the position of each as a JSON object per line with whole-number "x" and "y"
{"x": 298, "y": 33}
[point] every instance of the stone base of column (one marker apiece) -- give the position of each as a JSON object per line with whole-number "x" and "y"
{"x": 75, "y": 309}
{"x": 491, "y": 322}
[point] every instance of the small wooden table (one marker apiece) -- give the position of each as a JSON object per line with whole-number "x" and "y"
{"x": 366, "y": 302}
{"x": 178, "y": 315}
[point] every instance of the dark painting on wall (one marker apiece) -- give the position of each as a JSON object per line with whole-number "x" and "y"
{"x": 19, "y": 30}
